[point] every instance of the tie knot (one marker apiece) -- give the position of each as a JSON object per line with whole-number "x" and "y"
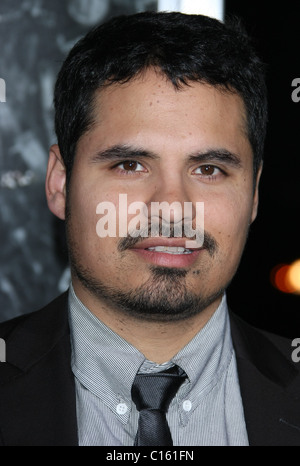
{"x": 155, "y": 391}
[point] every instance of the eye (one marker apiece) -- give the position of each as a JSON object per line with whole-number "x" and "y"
{"x": 209, "y": 171}
{"x": 130, "y": 166}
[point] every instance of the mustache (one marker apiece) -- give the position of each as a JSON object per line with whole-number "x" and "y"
{"x": 209, "y": 242}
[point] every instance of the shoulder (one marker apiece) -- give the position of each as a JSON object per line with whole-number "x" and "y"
{"x": 49, "y": 313}
{"x": 29, "y": 337}
{"x": 269, "y": 353}
{"x": 259, "y": 339}
{"x": 37, "y": 390}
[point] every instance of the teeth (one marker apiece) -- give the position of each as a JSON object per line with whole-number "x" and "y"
{"x": 170, "y": 250}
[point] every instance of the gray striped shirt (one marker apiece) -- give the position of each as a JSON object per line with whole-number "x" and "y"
{"x": 207, "y": 409}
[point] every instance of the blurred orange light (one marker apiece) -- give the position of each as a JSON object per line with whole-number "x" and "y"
{"x": 293, "y": 276}
{"x": 286, "y": 277}
{"x": 278, "y": 278}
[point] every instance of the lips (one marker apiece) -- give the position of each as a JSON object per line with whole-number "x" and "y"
{"x": 166, "y": 252}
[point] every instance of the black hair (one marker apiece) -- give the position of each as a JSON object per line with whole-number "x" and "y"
{"x": 184, "y": 47}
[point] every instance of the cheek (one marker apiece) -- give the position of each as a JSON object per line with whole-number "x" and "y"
{"x": 91, "y": 227}
{"x": 85, "y": 199}
{"x": 83, "y": 220}
{"x": 228, "y": 222}
{"x": 83, "y": 212}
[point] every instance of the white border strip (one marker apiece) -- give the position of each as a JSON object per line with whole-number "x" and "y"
{"x": 213, "y": 8}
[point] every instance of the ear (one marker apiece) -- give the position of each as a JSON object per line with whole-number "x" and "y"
{"x": 255, "y": 197}
{"x": 56, "y": 183}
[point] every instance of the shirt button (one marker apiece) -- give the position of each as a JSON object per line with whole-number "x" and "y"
{"x": 187, "y": 405}
{"x": 121, "y": 408}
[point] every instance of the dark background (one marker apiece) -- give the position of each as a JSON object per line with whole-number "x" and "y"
{"x": 275, "y": 235}
{"x": 35, "y": 36}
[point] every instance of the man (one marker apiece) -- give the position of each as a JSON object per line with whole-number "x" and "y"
{"x": 152, "y": 108}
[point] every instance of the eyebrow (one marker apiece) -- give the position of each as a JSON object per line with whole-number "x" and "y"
{"x": 217, "y": 155}
{"x": 119, "y": 152}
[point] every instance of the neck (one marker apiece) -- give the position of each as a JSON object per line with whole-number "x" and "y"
{"x": 157, "y": 341}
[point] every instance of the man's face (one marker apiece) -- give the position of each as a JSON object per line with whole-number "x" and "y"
{"x": 154, "y": 143}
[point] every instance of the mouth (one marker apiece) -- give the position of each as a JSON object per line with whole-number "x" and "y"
{"x": 166, "y": 252}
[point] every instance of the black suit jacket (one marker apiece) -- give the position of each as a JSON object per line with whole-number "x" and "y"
{"x": 37, "y": 389}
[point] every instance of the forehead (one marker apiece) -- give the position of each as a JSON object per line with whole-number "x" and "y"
{"x": 150, "y": 105}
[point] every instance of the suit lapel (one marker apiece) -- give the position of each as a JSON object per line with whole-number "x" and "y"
{"x": 37, "y": 381}
{"x": 270, "y": 386}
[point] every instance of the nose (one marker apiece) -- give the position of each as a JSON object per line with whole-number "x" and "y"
{"x": 171, "y": 202}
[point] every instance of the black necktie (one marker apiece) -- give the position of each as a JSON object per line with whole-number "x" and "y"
{"x": 152, "y": 394}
